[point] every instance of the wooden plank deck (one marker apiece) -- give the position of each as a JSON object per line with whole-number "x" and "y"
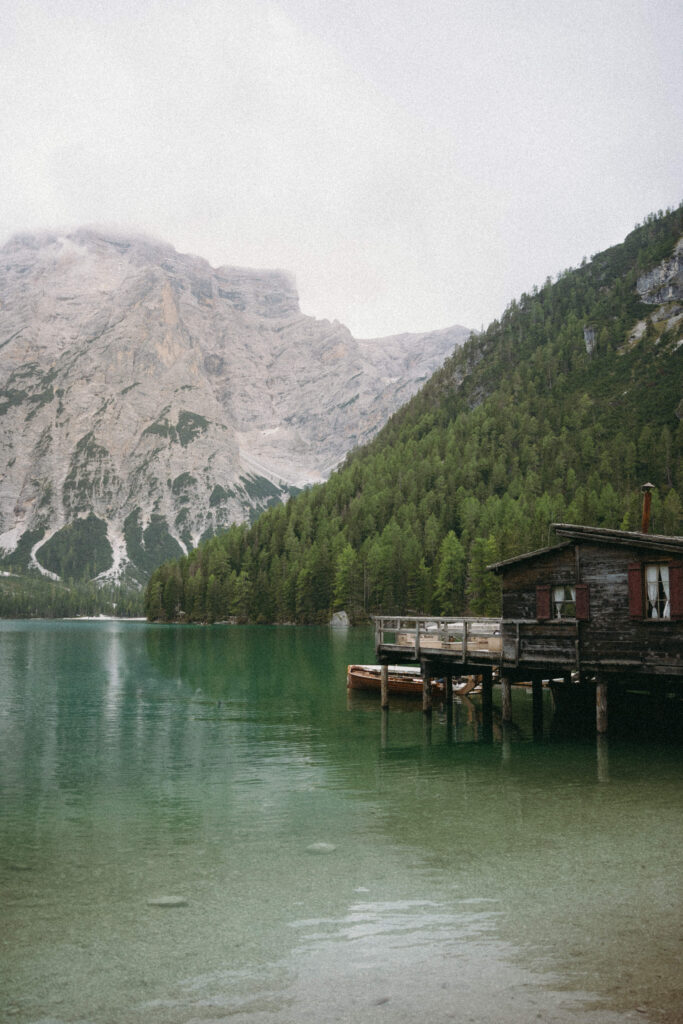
{"x": 412, "y": 639}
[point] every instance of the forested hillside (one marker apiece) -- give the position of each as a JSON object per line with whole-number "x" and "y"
{"x": 560, "y": 411}
{"x": 24, "y": 596}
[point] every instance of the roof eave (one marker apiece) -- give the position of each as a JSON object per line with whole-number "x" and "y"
{"x": 495, "y": 566}
{"x": 597, "y": 535}
{"x": 627, "y": 538}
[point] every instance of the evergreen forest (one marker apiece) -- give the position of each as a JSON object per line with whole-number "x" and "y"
{"x": 556, "y": 413}
{"x": 28, "y": 596}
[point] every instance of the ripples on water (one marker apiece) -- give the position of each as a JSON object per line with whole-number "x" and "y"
{"x": 197, "y": 825}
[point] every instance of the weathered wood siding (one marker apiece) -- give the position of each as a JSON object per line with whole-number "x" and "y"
{"x": 520, "y": 581}
{"x": 610, "y": 639}
{"x": 551, "y": 643}
{"x": 532, "y": 642}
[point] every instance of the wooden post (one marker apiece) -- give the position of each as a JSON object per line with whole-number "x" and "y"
{"x": 537, "y": 707}
{"x": 487, "y": 705}
{"x": 426, "y": 691}
{"x": 506, "y": 746}
{"x": 449, "y": 708}
{"x": 601, "y": 705}
{"x": 602, "y": 758}
{"x": 506, "y": 698}
{"x": 384, "y": 685}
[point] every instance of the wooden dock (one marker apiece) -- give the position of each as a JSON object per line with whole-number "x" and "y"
{"x": 444, "y": 648}
{"x": 457, "y": 644}
{"x": 601, "y": 610}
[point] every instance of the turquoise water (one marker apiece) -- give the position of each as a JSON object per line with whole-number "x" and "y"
{"x": 199, "y": 825}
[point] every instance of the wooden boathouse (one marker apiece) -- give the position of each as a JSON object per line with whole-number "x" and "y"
{"x": 598, "y": 613}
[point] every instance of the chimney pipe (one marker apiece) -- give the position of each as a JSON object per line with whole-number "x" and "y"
{"x": 647, "y": 490}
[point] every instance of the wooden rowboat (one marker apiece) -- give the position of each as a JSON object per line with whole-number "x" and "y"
{"x": 402, "y": 680}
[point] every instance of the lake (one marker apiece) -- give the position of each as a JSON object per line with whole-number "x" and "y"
{"x": 199, "y": 825}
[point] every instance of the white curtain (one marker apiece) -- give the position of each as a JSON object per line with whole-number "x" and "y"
{"x": 652, "y": 584}
{"x": 563, "y": 596}
{"x": 558, "y": 601}
{"x": 657, "y": 583}
{"x": 664, "y": 576}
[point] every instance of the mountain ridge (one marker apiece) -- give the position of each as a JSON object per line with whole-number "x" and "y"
{"x": 167, "y": 398}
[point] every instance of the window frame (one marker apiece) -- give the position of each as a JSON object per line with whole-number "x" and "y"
{"x": 638, "y": 598}
{"x": 557, "y": 606}
{"x": 545, "y": 602}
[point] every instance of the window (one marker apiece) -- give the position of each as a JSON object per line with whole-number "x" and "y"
{"x": 564, "y": 602}
{"x": 657, "y": 593}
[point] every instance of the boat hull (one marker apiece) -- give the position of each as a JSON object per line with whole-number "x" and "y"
{"x": 401, "y": 681}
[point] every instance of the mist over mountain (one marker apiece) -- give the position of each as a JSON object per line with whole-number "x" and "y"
{"x": 148, "y": 400}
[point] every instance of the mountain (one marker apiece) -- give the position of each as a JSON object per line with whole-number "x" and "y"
{"x": 148, "y": 399}
{"x": 560, "y": 411}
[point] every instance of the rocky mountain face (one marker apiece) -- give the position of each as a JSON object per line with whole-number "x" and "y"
{"x": 664, "y": 284}
{"x": 148, "y": 399}
{"x": 662, "y": 288}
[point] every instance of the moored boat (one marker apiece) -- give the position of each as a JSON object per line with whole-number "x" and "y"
{"x": 403, "y": 679}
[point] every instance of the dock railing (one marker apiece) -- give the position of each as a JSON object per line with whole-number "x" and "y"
{"x": 419, "y": 636}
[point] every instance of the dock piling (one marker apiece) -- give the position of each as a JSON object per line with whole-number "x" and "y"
{"x": 601, "y": 705}
{"x": 602, "y": 754}
{"x": 506, "y": 698}
{"x": 384, "y": 686}
{"x": 426, "y": 691}
{"x": 537, "y": 707}
{"x": 487, "y": 705}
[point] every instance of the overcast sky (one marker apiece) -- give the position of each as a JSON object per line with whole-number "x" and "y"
{"x": 414, "y": 163}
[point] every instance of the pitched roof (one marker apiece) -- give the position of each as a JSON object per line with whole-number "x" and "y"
{"x": 528, "y": 554}
{"x": 629, "y": 538}
{"x": 598, "y": 535}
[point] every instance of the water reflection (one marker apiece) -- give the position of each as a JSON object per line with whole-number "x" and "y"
{"x": 115, "y": 673}
{"x": 602, "y": 757}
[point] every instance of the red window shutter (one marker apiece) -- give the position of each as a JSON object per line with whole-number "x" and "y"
{"x": 676, "y": 589}
{"x": 542, "y": 602}
{"x": 583, "y": 609}
{"x": 635, "y": 590}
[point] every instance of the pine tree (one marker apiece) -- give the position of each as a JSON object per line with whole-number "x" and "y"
{"x": 449, "y": 590}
